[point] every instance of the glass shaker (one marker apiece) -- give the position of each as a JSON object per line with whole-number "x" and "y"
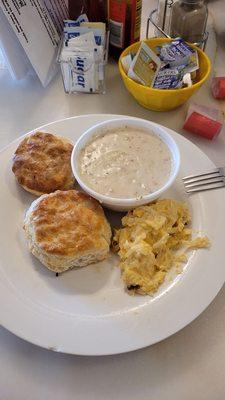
{"x": 188, "y": 20}
{"x": 164, "y": 13}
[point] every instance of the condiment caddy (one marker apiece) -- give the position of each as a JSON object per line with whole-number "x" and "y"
{"x": 83, "y": 55}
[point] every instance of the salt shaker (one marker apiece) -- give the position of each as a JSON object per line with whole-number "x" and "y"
{"x": 188, "y": 20}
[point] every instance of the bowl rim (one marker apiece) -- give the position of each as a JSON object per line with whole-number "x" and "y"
{"x": 195, "y": 85}
{"x": 123, "y": 121}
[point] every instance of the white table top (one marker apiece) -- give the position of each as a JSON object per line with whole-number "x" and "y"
{"x": 188, "y": 365}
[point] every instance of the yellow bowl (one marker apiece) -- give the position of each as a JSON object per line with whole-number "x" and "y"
{"x": 160, "y": 99}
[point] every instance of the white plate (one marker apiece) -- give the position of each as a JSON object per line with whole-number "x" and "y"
{"x": 87, "y": 311}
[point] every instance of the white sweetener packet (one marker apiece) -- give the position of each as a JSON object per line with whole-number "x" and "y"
{"x": 71, "y": 32}
{"x": 86, "y": 39}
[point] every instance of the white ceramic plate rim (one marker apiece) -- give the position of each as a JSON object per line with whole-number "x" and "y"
{"x": 32, "y": 323}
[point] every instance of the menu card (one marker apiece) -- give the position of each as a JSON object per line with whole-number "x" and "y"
{"x": 37, "y": 25}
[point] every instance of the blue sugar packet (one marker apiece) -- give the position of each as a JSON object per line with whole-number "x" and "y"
{"x": 77, "y": 22}
{"x": 168, "y": 78}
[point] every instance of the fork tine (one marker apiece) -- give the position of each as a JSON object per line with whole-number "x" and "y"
{"x": 200, "y": 179}
{"x": 213, "y": 171}
{"x": 203, "y": 182}
{"x": 201, "y": 189}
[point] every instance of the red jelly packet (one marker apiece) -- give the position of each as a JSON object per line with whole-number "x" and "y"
{"x": 202, "y": 125}
{"x": 218, "y": 87}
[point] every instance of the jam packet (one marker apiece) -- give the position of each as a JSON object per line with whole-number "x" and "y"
{"x": 145, "y": 66}
{"x": 168, "y": 78}
{"x": 173, "y": 66}
{"x": 178, "y": 52}
{"x": 193, "y": 64}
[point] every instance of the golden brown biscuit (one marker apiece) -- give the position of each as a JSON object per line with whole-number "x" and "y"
{"x": 41, "y": 163}
{"x": 67, "y": 229}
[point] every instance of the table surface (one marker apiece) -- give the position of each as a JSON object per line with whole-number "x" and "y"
{"x": 189, "y": 364}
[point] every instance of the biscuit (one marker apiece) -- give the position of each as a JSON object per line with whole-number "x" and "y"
{"x": 41, "y": 163}
{"x": 67, "y": 229}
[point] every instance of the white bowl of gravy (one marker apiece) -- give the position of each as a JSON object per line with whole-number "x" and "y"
{"x": 125, "y": 163}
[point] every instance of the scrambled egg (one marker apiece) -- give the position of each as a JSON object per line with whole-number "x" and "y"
{"x": 147, "y": 243}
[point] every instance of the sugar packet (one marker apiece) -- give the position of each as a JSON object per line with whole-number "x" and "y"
{"x": 80, "y": 71}
{"x": 71, "y": 23}
{"x": 82, "y": 61}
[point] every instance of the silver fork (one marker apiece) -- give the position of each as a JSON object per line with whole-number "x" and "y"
{"x": 213, "y": 179}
